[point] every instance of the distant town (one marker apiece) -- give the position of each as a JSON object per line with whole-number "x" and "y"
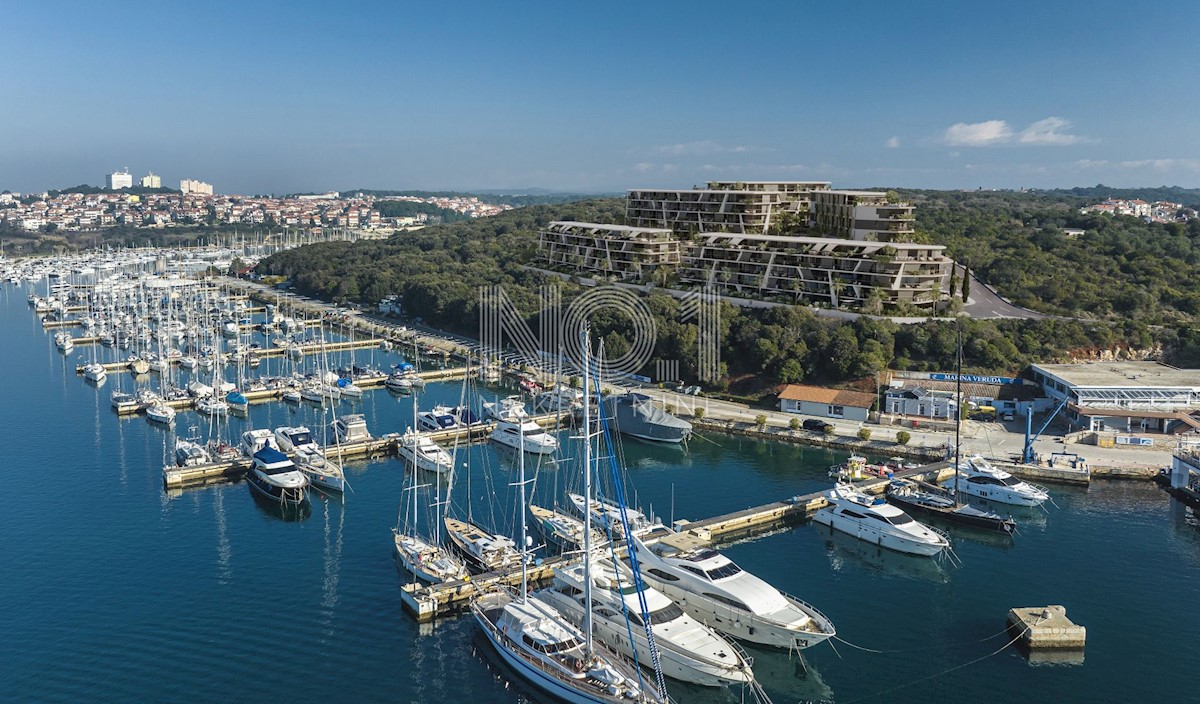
{"x": 1158, "y": 211}
{"x": 196, "y": 204}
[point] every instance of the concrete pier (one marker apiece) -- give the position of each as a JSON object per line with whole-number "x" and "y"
{"x": 1046, "y": 627}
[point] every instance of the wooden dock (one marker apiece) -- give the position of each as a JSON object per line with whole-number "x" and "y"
{"x": 425, "y": 602}
{"x": 387, "y": 445}
{"x": 262, "y": 353}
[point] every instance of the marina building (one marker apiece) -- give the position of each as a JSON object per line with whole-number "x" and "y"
{"x": 119, "y": 179}
{"x": 1135, "y": 397}
{"x": 825, "y": 403}
{"x": 919, "y": 402}
{"x": 624, "y": 252}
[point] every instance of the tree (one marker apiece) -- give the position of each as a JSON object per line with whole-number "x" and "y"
{"x": 760, "y": 420}
{"x": 864, "y": 434}
{"x": 903, "y": 437}
{"x": 698, "y": 413}
{"x": 792, "y": 372}
{"x": 966, "y": 283}
{"x": 794, "y": 424}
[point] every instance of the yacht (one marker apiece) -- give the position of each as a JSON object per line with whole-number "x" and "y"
{"x": 188, "y": 362}
{"x": 210, "y": 406}
{"x": 237, "y": 401}
{"x": 562, "y": 531}
{"x": 348, "y": 389}
{"x": 276, "y": 477}
{"x": 190, "y": 453}
{"x": 296, "y": 439}
{"x": 94, "y": 372}
{"x": 423, "y": 452}
{"x": 160, "y": 412}
{"x": 351, "y": 428}
{"x": 874, "y": 520}
{"x": 510, "y": 409}
{"x": 928, "y": 500}
{"x": 430, "y": 563}
{"x": 438, "y": 418}
{"x": 688, "y": 650}
{"x": 714, "y": 590}
{"x": 525, "y": 435}
{"x": 636, "y": 415}
{"x": 540, "y": 645}
{"x": 560, "y": 398}
{"x": 483, "y": 551}
{"x": 608, "y": 515}
{"x": 978, "y": 477}
{"x": 255, "y": 440}
{"x": 399, "y": 381}
{"x": 199, "y": 389}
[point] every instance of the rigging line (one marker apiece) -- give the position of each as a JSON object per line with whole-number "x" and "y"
{"x": 920, "y": 650}
{"x": 946, "y": 672}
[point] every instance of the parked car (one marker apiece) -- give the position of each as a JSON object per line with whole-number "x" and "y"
{"x": 817, "y": 424}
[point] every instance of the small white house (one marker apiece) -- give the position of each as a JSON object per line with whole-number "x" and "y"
{"x": 920, "y": 403}
{"x": 825, "y": 403}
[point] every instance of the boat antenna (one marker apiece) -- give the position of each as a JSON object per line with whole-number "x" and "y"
{"x": 957, "y": 403}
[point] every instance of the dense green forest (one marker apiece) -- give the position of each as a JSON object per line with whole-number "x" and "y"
{"x": 1189, "y": 197}
{"x": 407, "y": 208}
{"x": 1122, "y": 268}
{"x": 438, "y": 270}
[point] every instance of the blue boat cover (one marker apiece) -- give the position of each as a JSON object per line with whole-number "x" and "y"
{"x": 343, "y": 382}
{"x": 269, "y": 455}
{"x": 404, "y": 366}
{"x": 235, "y": 397}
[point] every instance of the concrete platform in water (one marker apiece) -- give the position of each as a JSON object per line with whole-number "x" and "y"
{"x": 1046, "y": 627}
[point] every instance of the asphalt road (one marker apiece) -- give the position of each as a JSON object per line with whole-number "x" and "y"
{"x": 983, "y": 302}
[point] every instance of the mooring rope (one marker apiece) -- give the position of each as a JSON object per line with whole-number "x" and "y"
{"x": 935, "y": 675}
{"x": 918, "y": 650}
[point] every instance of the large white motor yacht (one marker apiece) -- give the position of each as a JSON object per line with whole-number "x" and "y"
{"x": 874, "y": 520}
{"x": 978, "y": 477}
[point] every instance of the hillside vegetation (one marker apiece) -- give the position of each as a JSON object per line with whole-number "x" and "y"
{"x": 438, "y": 270}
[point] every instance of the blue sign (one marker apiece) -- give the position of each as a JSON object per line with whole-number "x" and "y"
{"x": 975, "y": 379}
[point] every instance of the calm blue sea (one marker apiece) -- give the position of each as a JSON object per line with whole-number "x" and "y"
{"x": 112, "y": 590}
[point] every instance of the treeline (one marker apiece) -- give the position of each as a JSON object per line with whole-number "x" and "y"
{"x": 93, "y": 190}
{"x": 1121, "y": 268}
{"x": 438, "y": 271}
{"x": 515, "y": 200}
{"x": 1174, "y": 194}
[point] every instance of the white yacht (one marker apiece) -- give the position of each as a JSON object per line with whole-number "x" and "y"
{"x": 874, "y": 520}
{"x": 688, "y": 650}
{"x": 482, "y": 550}
{"x": 426, "y": 454}
{"x": 541, "y": 646}
{"x": 608, "y": 515}
{"x": 255, "y": 440}
{"x": 210, "y": 406}
{"x": 510, "y": 409}
{"x": 430, "y": 563}
{"x": 525, "y": 435}
{"x": 188, "y": 362}
{"x": 94, "y": 372}
{"x": 160, "y": 412}
{"x": 714, "y": 590}
{"x": 276, "y": 477}
{"x": 351, "y": 428}
{"x": 438, "y": 418}
{"x": 978, "y": 477}
{"x": 562, "y": 531}
{"x": 295, "y": 439}
{"x": 560, "y": 398}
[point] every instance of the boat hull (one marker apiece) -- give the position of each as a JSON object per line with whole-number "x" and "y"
{"x": 869, "y": 534}
{"x": 266, "y": 489}
{"x": 994, "y": 524}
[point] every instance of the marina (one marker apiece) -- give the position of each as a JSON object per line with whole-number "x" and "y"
{"x": 343, "y": 587}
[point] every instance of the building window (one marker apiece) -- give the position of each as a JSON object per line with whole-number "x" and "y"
{"x": 836, "y": 411}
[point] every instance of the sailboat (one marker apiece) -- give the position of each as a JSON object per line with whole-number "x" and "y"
{"x": 548, "y": 650}
{"x": 929, "y": 500}
{"x": 427, "y": 559}
{"x": 595, "y": 595}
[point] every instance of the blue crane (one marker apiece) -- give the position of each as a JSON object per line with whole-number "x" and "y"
{"x": 1028, "y": 457}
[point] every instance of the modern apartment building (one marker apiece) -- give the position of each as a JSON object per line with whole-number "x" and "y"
{"x": 119, "y": 179}
{"x": 861, "y": 215}
{"x": 151, "y": 180}
{"x": 623, "y": 252}
{"x": 797, "y": 241}
{"x": 840, "y": 273}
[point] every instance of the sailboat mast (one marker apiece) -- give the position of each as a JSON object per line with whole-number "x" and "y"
{"x": 524, "y": 508}
{"x": 587, "y": 489}
{"x": 957, "y": 406}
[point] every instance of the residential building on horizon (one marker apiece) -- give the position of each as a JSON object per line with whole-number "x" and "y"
{"x": 198, "y": 187}
{"x": 118, "y": 180}
{"x": 151, "y": 180}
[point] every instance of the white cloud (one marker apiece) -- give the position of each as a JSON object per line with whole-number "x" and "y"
{"x": 978, "y": 134}
{"x": 1049, "y": 131}
{"x": 954, "y": 155}
{"x": 893, "y": 143}
{"x": 643, "y": 167}
{"x": 1161, "y": 164}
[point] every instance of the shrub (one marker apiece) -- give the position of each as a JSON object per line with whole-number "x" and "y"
{"x": 902, "y": 437}
{"x": 794, "y": 424}
{"x": 698, "y": 414}
{"x": 760, "y": 420}
{"x": 864, "y": 434}
{"x": 829, "y": 429}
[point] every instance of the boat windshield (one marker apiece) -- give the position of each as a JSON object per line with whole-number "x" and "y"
{"x": 301, "y": 438}
{"x": 530, "y": 432}
{"x": 900, "y": 519}
{"x": 1009, "y": 480}
{"x": 723, "y": 571}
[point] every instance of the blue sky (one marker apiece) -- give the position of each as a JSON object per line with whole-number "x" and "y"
{"x": 277, "y": 97}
